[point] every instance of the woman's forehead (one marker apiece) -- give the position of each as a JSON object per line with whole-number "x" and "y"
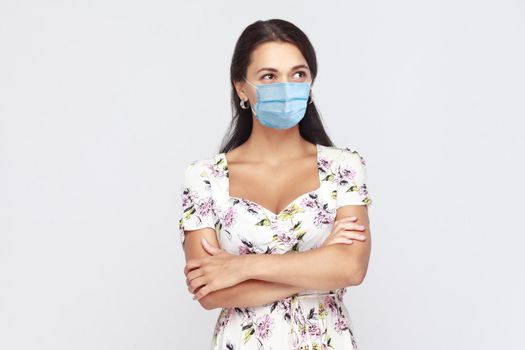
{"x": 277, "y": 56}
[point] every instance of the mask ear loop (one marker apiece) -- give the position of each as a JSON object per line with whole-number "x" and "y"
{"x": 251, "y": 107}
{"x": 250, "y": 83}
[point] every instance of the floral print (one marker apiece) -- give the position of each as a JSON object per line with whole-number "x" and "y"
{"x": 308, "y": 320}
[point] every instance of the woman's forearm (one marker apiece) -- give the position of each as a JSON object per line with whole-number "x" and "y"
{"x": 325, "y": 268}
{"x": 251, "y": 292}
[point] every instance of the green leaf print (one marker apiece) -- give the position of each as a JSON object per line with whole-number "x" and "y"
{"x": 263, "y": 222}
{"x": 248, "y": 332}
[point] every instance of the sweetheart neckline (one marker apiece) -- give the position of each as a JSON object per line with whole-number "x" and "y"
{"x": 268, "y": 210}
{"x": 317, "y": 190}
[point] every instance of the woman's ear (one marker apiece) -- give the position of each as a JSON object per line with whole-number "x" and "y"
{"x": 239, "y": 88}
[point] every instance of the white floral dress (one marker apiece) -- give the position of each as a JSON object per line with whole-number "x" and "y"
{"x": 306, "y": 320}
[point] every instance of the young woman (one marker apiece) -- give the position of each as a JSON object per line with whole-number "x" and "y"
{"x": 275, "y": 226}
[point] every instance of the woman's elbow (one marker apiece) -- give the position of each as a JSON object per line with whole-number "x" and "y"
{"x": 207, "y": 302}
{"x": 357, "y": 275}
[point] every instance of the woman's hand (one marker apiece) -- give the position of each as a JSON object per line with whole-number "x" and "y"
{"x": 343, "y": 232}
{"x": 218, "y": 271}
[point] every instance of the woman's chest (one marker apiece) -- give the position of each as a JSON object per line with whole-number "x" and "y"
{"x": 246, "y": 227}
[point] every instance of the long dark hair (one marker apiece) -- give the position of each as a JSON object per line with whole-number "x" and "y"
{"x": 311, "y": 127}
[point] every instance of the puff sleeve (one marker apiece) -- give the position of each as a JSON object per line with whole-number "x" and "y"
{"x": 351, "y": 179}
{"x": 197, "y": 204}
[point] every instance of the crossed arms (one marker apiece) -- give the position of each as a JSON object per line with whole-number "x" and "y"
{"x": 271, "y": 277}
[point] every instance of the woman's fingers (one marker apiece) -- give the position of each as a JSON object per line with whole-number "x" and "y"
{"x": 352, "y": 235}
{"x": 346, "y": 219}
{"x": 345, "y": 222}
{"x": 195, "y": 283}
{"x": 343, "y": 231}
{"x": 348, "y": 232}
{"x": 340, "y": 240}
{"x": 350, "y": 226}
{"x": 347, "y": 237}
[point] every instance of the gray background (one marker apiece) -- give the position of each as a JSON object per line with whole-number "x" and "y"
{"x": 103, "y": 103}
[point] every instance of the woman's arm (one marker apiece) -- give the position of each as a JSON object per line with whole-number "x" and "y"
{"x": 248, "y": 293}
{"x": 328, "y": 267}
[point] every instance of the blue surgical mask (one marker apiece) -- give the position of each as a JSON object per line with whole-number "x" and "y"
{"x": 281, "y": 105}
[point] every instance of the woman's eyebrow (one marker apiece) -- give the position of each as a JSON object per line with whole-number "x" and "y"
{"x": 275, "y": 70}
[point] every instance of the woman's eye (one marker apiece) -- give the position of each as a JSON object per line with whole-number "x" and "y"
{"x": 303, "y": 74}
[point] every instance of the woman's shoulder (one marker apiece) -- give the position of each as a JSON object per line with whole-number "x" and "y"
{"x": 343, "y": 154}
{"x": 210, "y": 167}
